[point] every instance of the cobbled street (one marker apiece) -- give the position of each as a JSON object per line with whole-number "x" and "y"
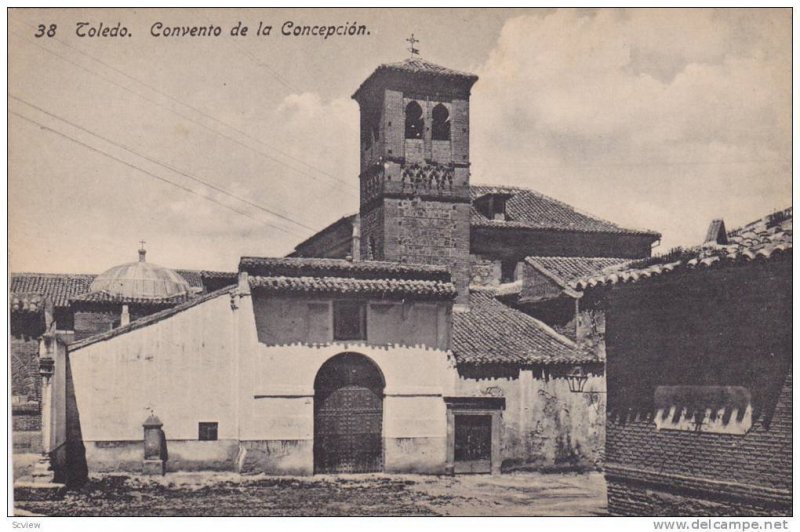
{"x": 203, "y": 494}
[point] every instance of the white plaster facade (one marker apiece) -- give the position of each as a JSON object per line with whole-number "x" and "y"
{"x": 205, "y": 363}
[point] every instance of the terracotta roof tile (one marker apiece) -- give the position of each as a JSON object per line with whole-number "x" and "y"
{"x": 209, "y": 274}
{"x": 105, "y": 297}
{"x": 355, "y": 287}
{"x": 59, "y": 288}
{"x": 764, "y": 239}
{"x": 26, "y": 302}
{"x": 527, "y": 209}
{"x": 310, "y": 267}
{"x": 493, "y": 333}
{"x": 419, "y": 66}
{"x": 568, "y": 269}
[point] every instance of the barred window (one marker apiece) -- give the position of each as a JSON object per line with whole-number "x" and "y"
{"x": 207, "y": 431}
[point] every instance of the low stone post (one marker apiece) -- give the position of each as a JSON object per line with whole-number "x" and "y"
{"x": 154, "y": 462}
{"x": 43, "y": 471}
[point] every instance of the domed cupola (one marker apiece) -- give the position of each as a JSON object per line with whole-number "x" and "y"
{"x": 140, "y": 281}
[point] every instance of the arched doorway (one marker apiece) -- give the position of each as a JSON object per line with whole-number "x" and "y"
{"x": 348, "y": 416}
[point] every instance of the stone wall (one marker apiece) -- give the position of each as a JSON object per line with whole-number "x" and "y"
{"x": 545, "y": 426}
{"x": 428, "y": 232}
{"x": 372, "y": 235}
{"x": 89, "y": 322}
{"x": 25, "y": 368}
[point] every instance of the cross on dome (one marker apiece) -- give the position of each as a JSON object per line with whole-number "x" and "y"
{"x": 412, "y": 41}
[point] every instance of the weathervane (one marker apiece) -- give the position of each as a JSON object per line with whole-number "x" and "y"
{"x": 142, "y": 242}
{"x": 412, "y": 41}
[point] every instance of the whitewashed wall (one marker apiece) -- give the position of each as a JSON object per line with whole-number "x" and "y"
{"x": 182, "y": 367}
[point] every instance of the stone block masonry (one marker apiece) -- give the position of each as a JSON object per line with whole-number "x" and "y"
{"x": 427, "y": 232}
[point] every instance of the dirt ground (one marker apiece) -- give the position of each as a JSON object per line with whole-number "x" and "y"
{"x": 204, "y": 494}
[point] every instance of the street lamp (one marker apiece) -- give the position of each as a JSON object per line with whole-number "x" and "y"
{"x": 576, "y": 379}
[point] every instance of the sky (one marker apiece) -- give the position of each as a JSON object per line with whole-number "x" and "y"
{"x": 210, "y": 148}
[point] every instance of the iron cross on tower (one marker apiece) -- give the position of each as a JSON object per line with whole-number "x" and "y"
{"x": 412, "y": 41}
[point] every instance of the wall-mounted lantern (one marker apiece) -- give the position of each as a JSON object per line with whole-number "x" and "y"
{"x": 576, "y": 379}
{"x": 46, "y": 367}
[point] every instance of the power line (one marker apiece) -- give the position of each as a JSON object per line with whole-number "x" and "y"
{"x": 259, "y": 63}
{"x": 211, "y": 117}
{"x": 160, "y": 163}
{"x": 147, "y": 172}
{"x": 190, "y": 119}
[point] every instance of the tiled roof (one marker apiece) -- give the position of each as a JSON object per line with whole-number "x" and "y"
{"x": 388, "y": 288}
{"x": 764, "y": 239}
{"x": 568, "y": 269}
{"x": 526, "y": 209}
{"x": 493, "y": 333}
{"x": 209, "y": 274}
{"x": 417, "y": 65}
{"x": 105, "y": 297}
{"x": 26, "y": 302}
{"x": 61, "y": 287}
{"x": 344, "y": 220}
{"x": 58, "y": 287}
{"x": 192, "y": 277}
{"x": 310, "y": 267}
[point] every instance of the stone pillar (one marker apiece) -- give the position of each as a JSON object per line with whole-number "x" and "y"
{"x": 449, "y": 466}
{"x": 497, "y": 419}
{"x": 154, "y": 451}
{"x": 43, "y": 470}
{"x": 355, "y": 250}
{"x": 125, "y": 317}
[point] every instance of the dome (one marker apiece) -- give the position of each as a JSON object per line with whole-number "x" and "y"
{"x": 140, "y": 280}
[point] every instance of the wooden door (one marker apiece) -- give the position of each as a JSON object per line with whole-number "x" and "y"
{"x": 473, "y": 444}
{"x": 348, "y": 418}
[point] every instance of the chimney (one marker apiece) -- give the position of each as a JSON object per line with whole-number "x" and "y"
{"x": 716, "y": 234}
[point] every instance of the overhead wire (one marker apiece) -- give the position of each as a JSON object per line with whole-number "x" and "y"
{"x": 188, "y": 118}
{"x": 146, "y": 172}
{"x": 163, "y": 164}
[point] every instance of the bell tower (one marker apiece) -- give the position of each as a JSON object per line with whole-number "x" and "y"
{"x": 415, "y": 198}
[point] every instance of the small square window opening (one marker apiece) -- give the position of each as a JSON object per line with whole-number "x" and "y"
{"x": 207, "y": 431}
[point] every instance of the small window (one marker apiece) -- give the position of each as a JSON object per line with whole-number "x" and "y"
{"x": 349, "y": 320}
{"x": 207, "y": 431}
{"x": 414, "y": 121}
{"x": 441, "y": 123}
{"x": 508, "y": 271}
{"x": 492, "y": 206}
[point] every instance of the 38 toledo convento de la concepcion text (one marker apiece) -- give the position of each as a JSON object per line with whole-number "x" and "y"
{"x": 289, "y": 28}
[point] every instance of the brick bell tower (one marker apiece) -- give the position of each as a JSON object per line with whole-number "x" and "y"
{"x": 415, "y": 199}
